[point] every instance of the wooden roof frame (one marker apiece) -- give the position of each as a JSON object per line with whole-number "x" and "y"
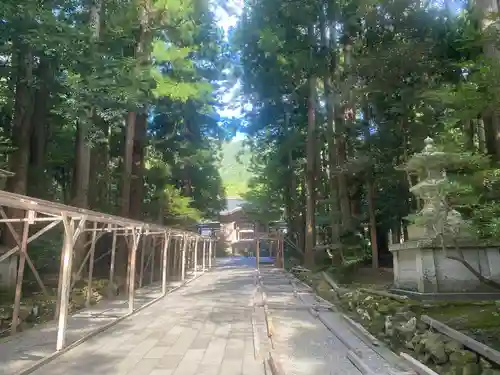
{"x": 55, "y": 211}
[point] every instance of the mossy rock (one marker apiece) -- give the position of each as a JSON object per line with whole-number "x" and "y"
{"x": 462, "y": 357}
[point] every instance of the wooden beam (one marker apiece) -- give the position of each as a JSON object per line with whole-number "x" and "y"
{"x": 65, "y": 277}
{"x": 166, "y": 241}
{"x": 469, "y": 342}
{"x": 91, "y": 267}
{"x": 20, "y": 273}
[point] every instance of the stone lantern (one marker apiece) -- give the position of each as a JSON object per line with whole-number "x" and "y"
{"x": 421, "y": 265}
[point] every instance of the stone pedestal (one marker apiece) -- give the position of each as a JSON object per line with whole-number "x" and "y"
{"x": 422, "y": 267}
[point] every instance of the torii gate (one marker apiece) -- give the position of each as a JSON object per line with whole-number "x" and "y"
{"x": 279, "y": 259}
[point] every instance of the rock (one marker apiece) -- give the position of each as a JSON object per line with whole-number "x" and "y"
{"x": 363, "y": 314}
{"x": 424, "y": 358}
{"x": 471, "y": 369}
{"x": 419, "y": 347}
{"x": 453, "y": 346}
{"x": 462, "y": 357}
{"x": 409, "y": 345}
{"x": 435, "y": 345}
{"x": 407, "y": 329}
{"x": 388, "y": 326}
{"x": 405, "y": 316}
{"x": 455, "y": 370}
{"x": 383, "y": 309}
{"x": 5, "y": 313}
{"x": 421, "y": 326}
{"x": 393, "y": 306}
{"x": 378, "y": 325}
{"x": 485, "y": 364}
{"x": 24, "y": 312}
{"x": 490, "y": 371}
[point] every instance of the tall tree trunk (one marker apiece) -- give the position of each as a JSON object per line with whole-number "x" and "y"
{"x": 133, "y": 164}
{"x": 488, "y": 9}
{"x": 373, "y": 222}
{"x": 100, "y": 168}
{"x": 311, "y": 153}
{"x": 344, "y": 114}
{"x": 127, "y": 164}
{"x": 137, "y": 182}
{"x": 21, "y": 124}
{"x": 81, "y": 174}
{"x": 21, "y": 131}
{"x": 38, "y": 182}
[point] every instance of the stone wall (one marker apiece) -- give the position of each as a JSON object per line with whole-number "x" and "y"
{"x": 427, "y": 269}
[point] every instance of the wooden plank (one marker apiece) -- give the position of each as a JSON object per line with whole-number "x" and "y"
{"x": 275, "y": 366}
{"x": 358, "y": 362}
{"x": 361, "y": 330}
{"x": 467, "y": 341}
{"x": 419, "y": 367}
{"x": 384, "y": 294}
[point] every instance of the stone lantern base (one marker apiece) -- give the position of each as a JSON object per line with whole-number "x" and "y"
{"x": 421, "y": 266}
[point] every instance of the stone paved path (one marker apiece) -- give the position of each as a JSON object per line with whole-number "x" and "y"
{"x": 204, "y": 329}
{"x": 304, "y": 344}
{"x": 27, "y": 348}
{"x": 211, "y": 327}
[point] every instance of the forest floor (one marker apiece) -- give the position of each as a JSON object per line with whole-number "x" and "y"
{"x": 478, "y": 319}
{"x": 36, "y": 308}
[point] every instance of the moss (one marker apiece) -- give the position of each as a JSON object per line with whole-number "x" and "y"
{"x": 480, "y": 321}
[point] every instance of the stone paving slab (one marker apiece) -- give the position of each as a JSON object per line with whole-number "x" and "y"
{"x": 203, "y": 329}
{"x": 304, "y": 345}
{"x": 26, "y": 348}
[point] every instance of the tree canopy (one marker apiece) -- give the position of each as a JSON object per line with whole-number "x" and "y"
{"x": 112, "y": 105}
{"x": 341, "y": 93}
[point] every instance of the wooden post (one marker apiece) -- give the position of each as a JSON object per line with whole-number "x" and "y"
{"x": 141, "y": 270}
{"x": 76, "y": 233}
{"x": 175, "y": 261}
{"x": 129, "y": 246}
{"x": 210, "y": 253}
{"x": 136, "y": 236}
{"x": 204, "y": 254}
{"x": 282, "y": 250}
{"x": 112, "y": 265}
{"x": 153, "y": 260}
{"x": 20, "y": 273}
{"x": 183, "y": 257}
{"x": 91, "y": 266}
{"x": 195, "y": 256}
{"x": 65, "y": 277}
{"x": 164, "y": 275}
{"x": 257, "y": 250}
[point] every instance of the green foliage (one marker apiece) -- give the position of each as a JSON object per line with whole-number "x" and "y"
{"x": 234, "y": 168}
{"x": 159, "y": 59}
{"x": 390, "y": 73}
